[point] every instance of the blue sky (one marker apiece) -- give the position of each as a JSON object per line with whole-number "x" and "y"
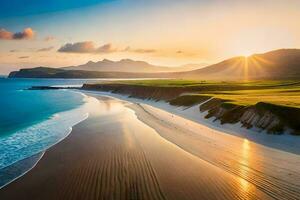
{"x": 14, "y": 8}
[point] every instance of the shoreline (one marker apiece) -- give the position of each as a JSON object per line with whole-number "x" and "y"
{"x": 284, "y": 142}
{"x": 119, "y": 136}
{"x": 91, "y": 158}
{"x": 18, "y": 170}
{"x": 25, "y": 171}
{"x": 165, "y": 107}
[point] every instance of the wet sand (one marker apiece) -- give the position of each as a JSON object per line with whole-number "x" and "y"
{"x": 275, "y": 172}
{"x": 122, "y": 151}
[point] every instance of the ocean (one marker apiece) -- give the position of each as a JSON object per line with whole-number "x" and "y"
{"x": 32, "y": 121}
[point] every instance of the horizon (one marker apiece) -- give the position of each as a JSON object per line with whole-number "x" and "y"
{"x": 39, "y": 34}
{"x": 248, "y": 58}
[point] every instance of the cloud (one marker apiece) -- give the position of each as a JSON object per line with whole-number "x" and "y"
{"x": 49, "y": 38}
{"x": 86, "y": 47}
{"x": 45, "y": 49}
{"x": 79, "y": 47}
{"x": 5, "y": 35}
{"x": 107, "y": 48}
{"x": 144, "y": 50}
{"x": 89, "y": 47}
{"x": 129, "y": 49}
{"x": 23, "y": 57}
{"x": 26, "y": 34}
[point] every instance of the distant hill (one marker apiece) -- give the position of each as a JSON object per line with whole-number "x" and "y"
{"x": 128, "y": 65}
{"x": 45, "y": 72}
{"x": 278, "y": 64}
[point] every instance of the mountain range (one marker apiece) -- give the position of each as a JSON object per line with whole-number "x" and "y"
{"x": 277, "y": 64}
{"x": 132, "y": 66}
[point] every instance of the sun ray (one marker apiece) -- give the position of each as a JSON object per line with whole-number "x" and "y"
{"x": 235, "y": 66}
{"x": 246, "y": 69}
{"x": 256, "y": 66}
{"x": 263, "y": 60}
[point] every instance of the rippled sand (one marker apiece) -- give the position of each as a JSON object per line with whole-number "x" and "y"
{"x": 274, "y": 172}
{"x": 130, "y": 151}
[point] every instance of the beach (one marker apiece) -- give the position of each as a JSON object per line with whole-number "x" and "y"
{"x": 127, "y": 150}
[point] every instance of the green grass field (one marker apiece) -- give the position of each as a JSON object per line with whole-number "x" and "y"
{"x": 285, "y": 93}
{"x": 285, "y": 96}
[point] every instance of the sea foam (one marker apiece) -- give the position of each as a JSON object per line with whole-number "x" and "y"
{"x": 31, "y": 141}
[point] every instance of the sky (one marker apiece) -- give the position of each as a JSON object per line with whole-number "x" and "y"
{"x": 58, "y": 33}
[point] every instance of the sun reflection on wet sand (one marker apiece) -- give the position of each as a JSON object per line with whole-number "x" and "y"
{"x": 244, "y": 171}
{"x": 254, "y": 167}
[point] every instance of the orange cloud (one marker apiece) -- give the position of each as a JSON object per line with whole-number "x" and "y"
{"x": 86, "y": 47}
{"x": 27, "y": 33}
{"x": 79, "y": 47}
{"x": 107, "y": 48}
{"x": 129, "y": 49}
{"x": 5, "y": 35}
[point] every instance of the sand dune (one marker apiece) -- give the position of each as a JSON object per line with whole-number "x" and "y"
{"x": 114, "y": 155}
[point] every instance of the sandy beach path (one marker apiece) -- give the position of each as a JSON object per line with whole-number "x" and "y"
{"x": 114, "y": 155}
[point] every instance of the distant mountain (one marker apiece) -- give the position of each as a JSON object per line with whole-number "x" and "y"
{"x": 278, "y": 64}
{"x": 45, "y": 72}
{"x": 128, "y": 65}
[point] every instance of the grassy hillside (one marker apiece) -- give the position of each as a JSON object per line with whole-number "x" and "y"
{"x": 278, "y": 64}
{"x": 286, "y": 93}
{"x": 273, "y": 106}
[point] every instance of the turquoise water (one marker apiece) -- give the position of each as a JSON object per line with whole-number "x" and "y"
{"x": 32, "y": 121}
{"x": 21, "y": 108}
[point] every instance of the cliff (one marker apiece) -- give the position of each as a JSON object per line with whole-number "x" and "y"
{"x": 273, "y": 119}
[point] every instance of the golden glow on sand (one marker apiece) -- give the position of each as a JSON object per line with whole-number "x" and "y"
{"x": 245, "y": 162}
